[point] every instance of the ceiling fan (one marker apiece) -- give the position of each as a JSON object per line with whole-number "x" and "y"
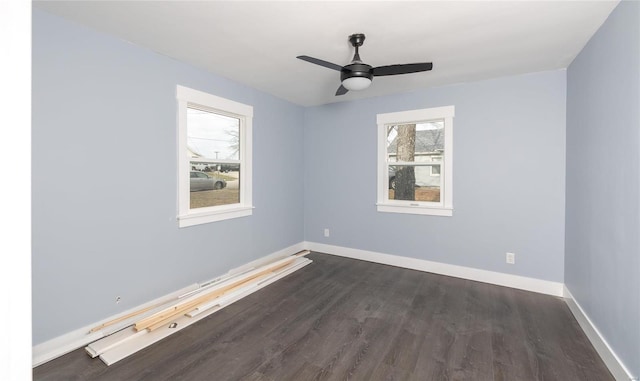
{"x": 358, "y": 75}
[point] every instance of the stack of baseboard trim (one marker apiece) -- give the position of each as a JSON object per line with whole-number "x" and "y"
{"x": 149, "y": 325}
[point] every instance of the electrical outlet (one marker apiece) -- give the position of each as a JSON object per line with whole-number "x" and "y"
{"x": 511, "y": 258}
{"x": 326, "y": 232}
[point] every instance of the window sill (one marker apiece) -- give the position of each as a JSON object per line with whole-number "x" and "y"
{"x": 424, "y": 210}
{"x": 213, "y": 216}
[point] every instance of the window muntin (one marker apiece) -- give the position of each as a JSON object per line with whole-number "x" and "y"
{"x": 414, "y": 165}
{"x": 214, "y": 169}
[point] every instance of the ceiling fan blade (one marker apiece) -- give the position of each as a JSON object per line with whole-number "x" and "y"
{"x": 402, "y": 69}
{"x": 320, "y": 62}
{"x": 341, "y": 90}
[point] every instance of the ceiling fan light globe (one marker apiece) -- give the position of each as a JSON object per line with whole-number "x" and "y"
{"x": 356, "y": 83}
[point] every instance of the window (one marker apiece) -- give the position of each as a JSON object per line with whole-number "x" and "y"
{"x": 214, "y": 158}
{"x": 415, "y": 150}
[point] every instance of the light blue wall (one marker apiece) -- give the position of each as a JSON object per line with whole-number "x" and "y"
{"x": 602, "y": 260}
{"x": 509, "y": 176}
{"x": 104, "y": 179}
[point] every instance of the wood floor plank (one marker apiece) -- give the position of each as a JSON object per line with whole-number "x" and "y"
{"x": 378, "y": 331}
{"x": 344, "y": 319}
{"x": 513, "y": 357}
{"x": 323, "y": 328}
{"x": 436, "y": 360}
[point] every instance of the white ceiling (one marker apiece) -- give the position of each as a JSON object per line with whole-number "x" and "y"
{"x": 255, "y": 43}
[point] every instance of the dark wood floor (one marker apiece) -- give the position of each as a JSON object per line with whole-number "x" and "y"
{"x": 342, "y": 319}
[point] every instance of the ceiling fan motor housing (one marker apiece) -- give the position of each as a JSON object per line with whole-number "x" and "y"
{"x": 357, "y": 69}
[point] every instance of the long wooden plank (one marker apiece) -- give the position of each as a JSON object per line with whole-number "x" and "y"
{"x": 212, "y": 293}
{"x": 162, "y": 301}
{"x": 229, "y": 294}
{"x": 180, "y": 311}
{"x": 125, "y": 317}
{"x": 119, "y": 338}
{"x": 103, "y": 344}
{"x": 214, "y": 297}
{"x": 214, "y": 282}
{"x": 237, "y": 272}
{"x": 100, "y": 346}
{"x": 130, "y": 347}
{"x": 260, "y": 262}
{"x": 258, "y": 284}
{"x": 222, "y": 301}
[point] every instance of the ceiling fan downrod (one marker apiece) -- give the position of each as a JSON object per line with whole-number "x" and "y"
{"x": 356, "y": 41}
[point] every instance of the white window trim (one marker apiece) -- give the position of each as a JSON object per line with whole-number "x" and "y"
{"x": 187, "y": 216}
{"x": 445, "y": 206}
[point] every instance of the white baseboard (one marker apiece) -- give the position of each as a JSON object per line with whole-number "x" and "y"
{"x": 81, "y": 337}
{"x": 62, "y": 345}
{"x": 492, "y": 277}
{"x": 616, "y": 367}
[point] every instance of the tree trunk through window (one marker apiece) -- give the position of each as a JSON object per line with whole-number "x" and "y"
{"x": 405, "y": 175}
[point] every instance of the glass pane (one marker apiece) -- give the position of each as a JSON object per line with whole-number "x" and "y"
{"x": 414, "y": 183}
{"x": 217, "y": 184}
{"x": 212, "y": 136}
{"x": 415, "y": 142}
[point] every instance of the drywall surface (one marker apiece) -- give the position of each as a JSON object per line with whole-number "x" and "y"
{"x": 508, "y": 160}
{"x": 602, "y": 260}
{"x": 105, "y": 178}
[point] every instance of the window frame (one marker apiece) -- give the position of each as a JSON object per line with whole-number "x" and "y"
{"x": 187, "y": 97}
{"x": 445, "y": 206}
